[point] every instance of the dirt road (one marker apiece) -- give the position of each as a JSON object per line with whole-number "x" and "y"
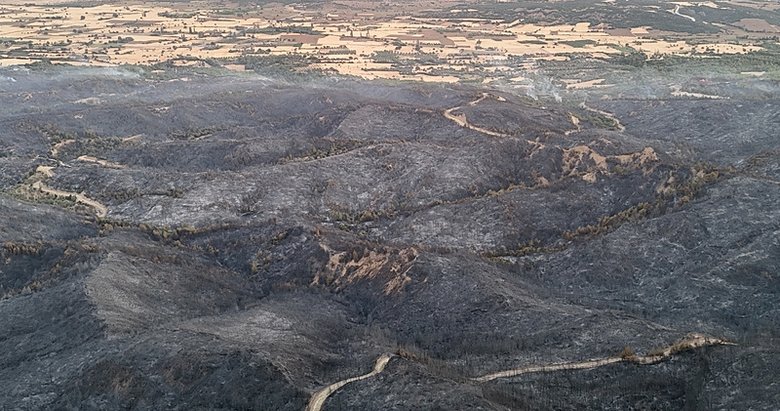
{"x": 318, "y": 398}
{"x": 48, "y": 172}
{"x": 461, "y": 120}
{"x": 55, "y": 149}
{"x": 610, "y": 116}
{"x": 691, "y": 342}
{"x": 676, "y": 11}
{"x": 582, "y": 365}
{"x": 100, "y": 209}
{"x": 104, "y": 163}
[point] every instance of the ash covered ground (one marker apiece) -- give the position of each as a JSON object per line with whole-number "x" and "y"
{"x": 238, "y": 242}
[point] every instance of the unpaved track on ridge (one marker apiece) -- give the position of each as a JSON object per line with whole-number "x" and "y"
{"x": 318, "y": 398}
{"x": 676, "y": 11}
{"x": 691, "y": 342}
{"x": 101, "y": 162}
{"x": 605, "y": 114}
{"x": 100, "y": 210}
{"x": 582, "y": 365}
{"x": 462, "y": 121}
{"x": 55, "y": 149}
{"x": 47, "y": 172}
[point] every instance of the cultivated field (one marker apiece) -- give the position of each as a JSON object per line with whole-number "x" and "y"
{"x": 440, "y": 43}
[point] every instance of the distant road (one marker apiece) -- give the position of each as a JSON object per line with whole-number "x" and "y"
{"x": 461, "y": 120}
{"x": 608, "y": 115}
{"x": 677, "y": 12}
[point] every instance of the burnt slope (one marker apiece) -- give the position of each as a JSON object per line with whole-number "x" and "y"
{"x": 264, "y": 239}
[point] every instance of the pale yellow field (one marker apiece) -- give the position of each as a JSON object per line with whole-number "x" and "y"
{"x": 343, "y": 42}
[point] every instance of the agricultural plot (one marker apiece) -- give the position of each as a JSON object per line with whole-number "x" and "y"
{"x": 359, "y": 39}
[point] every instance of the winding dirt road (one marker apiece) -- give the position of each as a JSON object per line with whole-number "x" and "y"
{"x": 48, "y": 172}
{"x": 100, "y": 210}
{"x": 691, "y": 342}
{"x": 676, "y": 11}
{"x": 606, "y": 114}
{"x": 55, "y": 149}
{"x": 101, "y": 162}
{"x": 461, "y": 120}
{"x": 318, "y": 398}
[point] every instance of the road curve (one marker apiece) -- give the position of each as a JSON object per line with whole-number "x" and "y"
{"x": 677, "y": 12}
{"x": 690, "y": 342}
{"x": 608, "y": 115}
{"x": 460, "y": 119}
{"x": 318, "y": 398}
{"x": 48, "y": 172}
{"x": 100, "y": 210}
